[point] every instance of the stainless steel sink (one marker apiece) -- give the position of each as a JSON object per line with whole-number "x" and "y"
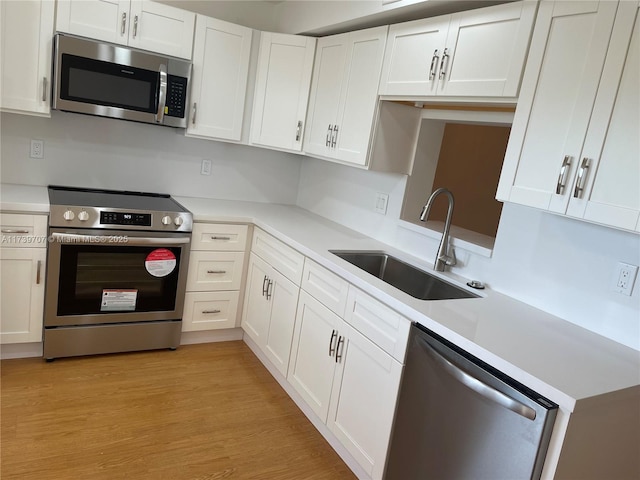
{"x": 401, "y": 275}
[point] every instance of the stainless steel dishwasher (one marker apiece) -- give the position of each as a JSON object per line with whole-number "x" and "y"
{"x": 458, "y": 418}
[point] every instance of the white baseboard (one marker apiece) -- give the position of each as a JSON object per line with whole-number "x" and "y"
{"x": 20, "y": 350}
{"x": 210, "y": 336}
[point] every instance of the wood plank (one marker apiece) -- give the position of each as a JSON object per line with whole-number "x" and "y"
{"x": 201, "y": 412}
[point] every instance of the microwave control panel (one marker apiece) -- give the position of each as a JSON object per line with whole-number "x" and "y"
{"x": 176, "y": 96}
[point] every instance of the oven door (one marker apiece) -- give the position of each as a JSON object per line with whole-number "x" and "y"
{"x": 97, "y": 277}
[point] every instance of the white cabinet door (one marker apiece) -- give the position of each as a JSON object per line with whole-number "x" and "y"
{"x": 283, "y": 297}
{"x": 607, "y": 186}
{"x": 359, "y": 95}
{"x": 313, "y": 360}
{"x": 22, "y": 272}
{"x": 270, "y": 311}
{"x": 141, "y": 24}
{"x": 106, "y": 20}
{"x": 285, "y": 64}
{"x": 363, "y": 400}
{"x": 477, "y": 53}
{"x": 257, "y": 309}
{"x": 412, "y": 56}
{"x": 325, "y": 93}
{"x": 219, "y": 81}
{"x": 343, "y": 96}
{"x": 559, "y": 87}
{"x": 25, "y": 35}
{"x": 486, "y": 50}
{"x": 161, "y": 28}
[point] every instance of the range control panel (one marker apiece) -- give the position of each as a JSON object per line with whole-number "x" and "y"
{"x": 87, "y": 217}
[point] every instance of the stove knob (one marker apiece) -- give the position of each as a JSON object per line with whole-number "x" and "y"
{"x": 178, "y": 221}
{"x": 68, "y": 215}
{"x": 166, "y": 220}
{"x": 83, "y": 216}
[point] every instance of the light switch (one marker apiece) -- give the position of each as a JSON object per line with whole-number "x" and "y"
{"x": 382, "y": 199}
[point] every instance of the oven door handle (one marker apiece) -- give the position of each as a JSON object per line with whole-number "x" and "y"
{"x": 106, "y": 239}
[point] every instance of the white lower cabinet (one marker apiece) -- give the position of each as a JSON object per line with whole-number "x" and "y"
{"x": 23, "y": 257}
{"x": 270, "y": 310}
{"x": 214, "y": 279}
{"x": 347, "y": 380}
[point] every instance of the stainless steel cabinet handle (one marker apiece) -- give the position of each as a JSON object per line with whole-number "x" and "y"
{"x": 334, "y": 137}
{"x": 445, "y": 56}
{"x": 269, "y": 285}
{"x": 562, "y": 177}
{"x": 10, "y": 230}
{"x": 332, "y": 348}
{"x": 210, "y": 311}
{"x": 193, "y": 118}
{"x": 338, "y": 350}
{"x": 327, "y": 142}
{"x": 38, "y": 272}
{"x": 582, "y": 178}
{"x": 44, "y": 89}
{"x": 162, "y": 95}
{"x": 265, "y": 285}
{"x": 220, "y": 238}
{"x": 135, "y": 26}
{"x": 434, "y": 65}
{"x": 298, "y": 130}
{"x": 216, "y": 271}
{"x": 477, "y": 386}
{"x": 123, "y": 24}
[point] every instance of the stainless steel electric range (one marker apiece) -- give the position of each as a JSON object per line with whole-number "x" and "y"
{"x": 116, "y": 271}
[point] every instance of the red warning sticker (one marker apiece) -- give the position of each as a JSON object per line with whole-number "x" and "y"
{"x": 160, "y": 262}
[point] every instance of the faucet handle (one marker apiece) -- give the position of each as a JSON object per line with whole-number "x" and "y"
{"x": 449, "y": 260}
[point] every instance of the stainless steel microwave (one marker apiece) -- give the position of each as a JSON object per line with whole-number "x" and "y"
{"x": 109, "y": 80}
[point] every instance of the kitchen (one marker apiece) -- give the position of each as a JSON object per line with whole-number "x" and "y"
{"x": 561, "y": 266}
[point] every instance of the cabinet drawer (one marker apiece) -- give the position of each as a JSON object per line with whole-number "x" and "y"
{"x": 214, "y": 271}
{"x": 380, "y": 324}
{"x": 23, "y": 230}
{"x": 280, "y": 256}
{"x": 325, "y": 286}
{"x": 210, "y": 310}
{"x": 219, "y": 236}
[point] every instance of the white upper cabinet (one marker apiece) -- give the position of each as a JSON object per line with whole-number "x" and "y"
{"x": 142, "y": 24}
{"x": 478, "y": 53}
{"x": 343, "y": 97}
{"x": 25, "y": 35}
{"x": 285, "y": 64}
{"x": 219, "y": 81}
{"x": 560, "y": 85}
{"x": 607, "y": 185}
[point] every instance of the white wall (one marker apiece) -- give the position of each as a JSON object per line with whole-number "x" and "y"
{"x": 98, "y": 152}
{"x": 562, "y": 266}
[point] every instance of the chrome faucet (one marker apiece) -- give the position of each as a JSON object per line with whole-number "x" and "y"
{"x": 443, "y": 258}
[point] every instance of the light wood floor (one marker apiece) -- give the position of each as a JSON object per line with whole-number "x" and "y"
{"x": 202, "y": 412}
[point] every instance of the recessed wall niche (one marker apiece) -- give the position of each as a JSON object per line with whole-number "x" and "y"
{"x": 462, "y": 151}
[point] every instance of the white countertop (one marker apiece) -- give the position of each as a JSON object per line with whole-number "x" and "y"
{"x": 560, "y": 360}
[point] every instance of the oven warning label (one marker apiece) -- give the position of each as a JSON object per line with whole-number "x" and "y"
{"x": 118, "y": 300}
{"x": 160, "y": 262}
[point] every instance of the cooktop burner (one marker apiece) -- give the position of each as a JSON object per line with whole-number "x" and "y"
{"x": 125, "y": 210}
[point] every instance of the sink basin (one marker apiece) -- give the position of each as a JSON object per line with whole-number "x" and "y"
{"x": 401, "y": 275}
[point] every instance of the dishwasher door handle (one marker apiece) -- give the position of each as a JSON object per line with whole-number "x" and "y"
{"x": 478, "y": 386}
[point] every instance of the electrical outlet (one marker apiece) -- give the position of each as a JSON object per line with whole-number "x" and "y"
{"x": 37, "y": 149}
{"x": 205, "y": 169}
{"x": 624, "y": 278}
{"x": 382, "y": 199}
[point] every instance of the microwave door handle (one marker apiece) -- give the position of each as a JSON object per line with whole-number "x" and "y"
{"x": 115, "y": 240}
{"x": 162, "y": 94}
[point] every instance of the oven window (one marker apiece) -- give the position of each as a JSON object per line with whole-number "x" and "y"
{"x": 102, "y": 83}
{"x": 88, "y": 272}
